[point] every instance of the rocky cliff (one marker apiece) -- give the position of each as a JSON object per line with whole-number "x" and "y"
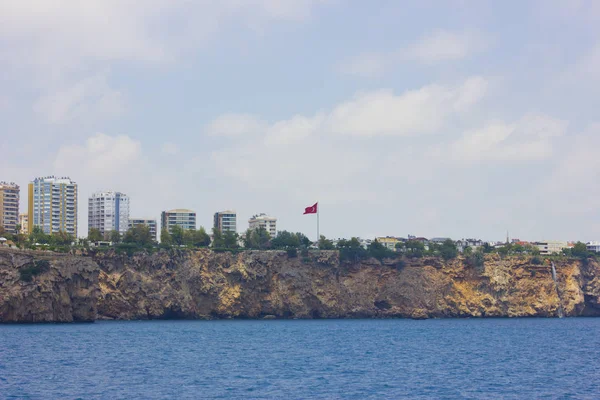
{"x": 253, "y": 284}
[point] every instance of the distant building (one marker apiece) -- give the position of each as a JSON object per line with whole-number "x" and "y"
{"x": 24, "y": 222}
{"x": 550, "y": 247}
{"x": 593, "y": 246}
{"x": 184, "y": 218}
{"x": 264, "y": 221}
{"x": 108, "y": 211}
{"x": 389, "y": 241}
{"x": 150, "y": 223}
{"x": 53, "y": 205}
{"x": 438, "y": 240}
{"x": 474, "y": 244}
{"x": 9, "y": 206}
{"x": 225, "y": 221}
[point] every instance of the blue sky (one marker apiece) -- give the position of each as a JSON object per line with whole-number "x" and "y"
{"x": 459, "y": 118}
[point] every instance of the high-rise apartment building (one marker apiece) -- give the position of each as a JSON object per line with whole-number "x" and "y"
{"x": 150, "y": 223}
{"x": 186, "y": 219}
{"x": 225, "y": 221}
{"x": 53, "y": 205}
{"x": 264, "y": 221}
{"x": 108, "y": 211}
{"x": 24, "y": 222}
{"x": 9, "y": 206}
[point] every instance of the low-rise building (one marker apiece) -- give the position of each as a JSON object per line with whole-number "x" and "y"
{"x": 150, "y": 223}
{"x": 593, "y": 246}
{"x": 550, "y": 247}
{"x": 389, "y": 241}
{"x": 474, "y": 244}
{"x": 263, "y": 221}
{"x": 24, "y": 222}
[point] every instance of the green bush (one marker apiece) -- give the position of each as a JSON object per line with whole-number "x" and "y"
{"x": 476, "y": 260}
{"x": 28, "y": 271}
{"x": 536, "y": 260}
{"x": 292, "y": 252}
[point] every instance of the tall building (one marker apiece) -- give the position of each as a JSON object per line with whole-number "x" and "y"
{"x": 186, "y": 219}
{"x": 53, "y": 205}
{"x": 225, "y": 221}
{"x": 24, "y": 222}
{"x": 9, "y": 206}
{"x": 108, "y": 211}
{"x": 150, "y": 223}
{"x": 264, "y": 221}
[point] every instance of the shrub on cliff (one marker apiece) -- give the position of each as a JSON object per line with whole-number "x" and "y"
{"x": 28, "y": 271}
{"x": 476, "y": 260}
{"x": 351, "y": 250}
{"x": 379, "y": 251}
{"x": 448, "y": 250}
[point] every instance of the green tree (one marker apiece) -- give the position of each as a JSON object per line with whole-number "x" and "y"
{"x": 351, "y": 250}
{"x": 284, "y": 240}
{"x": 467, "y": 251}
{"x": 448, "y": 249}
{"x": 177, "y": 234}
{"x": 257, "y": 239}
{"x": 94, "y": 235}
{"x": 60, "y": 239}
{"x": 379, "y": 251}
{"x": 165, "y": 237}
{"x": 37, "y": 235}
{"x": 114, "y": 236}
{"x": 580, "y": 250}
{"x": 139, "y": 235}
{"x": 415, "y": 249}
{"x": 230, "y": 240}
{"x": 487, "y": 248}
{"x": 325, "y": 244}
{"x": 304, "y": 240}
{"x": 218, "y": 240}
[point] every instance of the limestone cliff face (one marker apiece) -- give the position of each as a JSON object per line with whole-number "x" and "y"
{"x": 252, "y": 284}
{"x": 65, "y": 292}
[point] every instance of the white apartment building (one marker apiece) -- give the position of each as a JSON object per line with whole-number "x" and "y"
{"x": 108, "y": 211}
{"x": 225, "y": 221}
{"x": 182, "y": 217}
{"x": 264, "y": 221}
{"x": 53, "y": 205}
{"x": 9, "y": 206}
{"x": 593, "y": 246}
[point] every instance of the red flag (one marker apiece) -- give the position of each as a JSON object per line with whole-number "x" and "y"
{"x": 311, "y": 210}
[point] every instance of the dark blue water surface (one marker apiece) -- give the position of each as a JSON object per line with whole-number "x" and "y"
{"x": 479, "y": 359}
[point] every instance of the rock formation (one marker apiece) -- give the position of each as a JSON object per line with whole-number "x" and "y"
{"x": 269, "y": 284}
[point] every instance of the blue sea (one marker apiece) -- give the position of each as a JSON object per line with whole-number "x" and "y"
{"x": 302, "y": 359}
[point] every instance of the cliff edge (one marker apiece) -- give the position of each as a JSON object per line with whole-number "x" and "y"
{"x": 269, "y": 284}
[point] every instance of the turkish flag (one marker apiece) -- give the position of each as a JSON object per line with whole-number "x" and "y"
{"x": 311, "y": 210}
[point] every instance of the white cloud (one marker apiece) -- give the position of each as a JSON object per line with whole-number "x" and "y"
{"x": 527, "y": 139}
{"x": 439, "y": 46}
{"x": 89, "y": 98}
{"x": 305, "y": 152}
{"x": 235, "y": 125}
{"x": 101, "y": 158}
{"x": 443, "y": 46}
{"x": 368, "y": 65}
{"x": 170, "y": 148}
{"x": 414, "y": 112}
{"x": 125, "y": 30}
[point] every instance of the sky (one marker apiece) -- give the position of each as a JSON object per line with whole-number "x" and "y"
{"x": 439, "y": 119}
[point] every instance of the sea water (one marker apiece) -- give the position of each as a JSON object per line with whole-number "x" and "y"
{"x": 301, "y": 359}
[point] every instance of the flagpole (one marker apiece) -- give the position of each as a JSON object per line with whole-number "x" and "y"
{"x": 318, "y": 209}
